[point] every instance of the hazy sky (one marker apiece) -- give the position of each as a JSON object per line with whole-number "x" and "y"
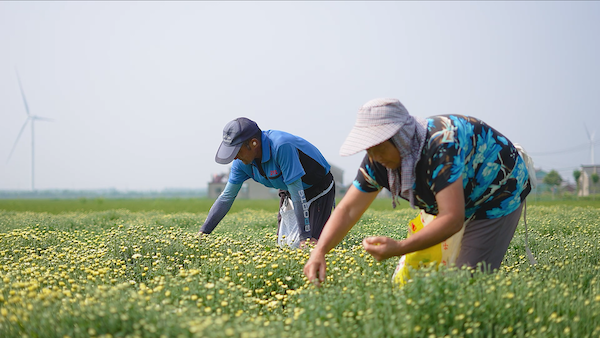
{"x": 140, "y": 91}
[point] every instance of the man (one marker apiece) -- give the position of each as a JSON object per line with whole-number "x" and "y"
{"x": 278, "y": 160}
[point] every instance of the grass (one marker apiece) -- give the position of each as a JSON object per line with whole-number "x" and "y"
{"x": 200, "y": 205}
{"x": 166, "y": 205}
{"x": 123, "y": 273}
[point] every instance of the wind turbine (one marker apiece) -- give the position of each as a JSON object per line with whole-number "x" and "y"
{"x": 32, "y": 119}
{"x": 591, "y": 138}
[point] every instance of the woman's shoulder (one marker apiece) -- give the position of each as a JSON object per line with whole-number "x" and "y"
{"x": 451, "y": 120}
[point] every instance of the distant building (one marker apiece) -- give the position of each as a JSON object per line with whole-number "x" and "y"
{"x": 338, "y": 176}
{"x": 586, "y": 182}
{"x": 541, "y": 187}
{"x": 254, "y": 190}
{"x": 216, "y": 186}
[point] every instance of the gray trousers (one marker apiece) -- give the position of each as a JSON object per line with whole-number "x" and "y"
{"x": 487, "y": 240}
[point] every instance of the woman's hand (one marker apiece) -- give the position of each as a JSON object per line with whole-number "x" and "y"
{"x": 343, "y": 218}
{"x": 381, "y": 247}
{"x": 316, "y": 267}
{"x": 448, "y": 222}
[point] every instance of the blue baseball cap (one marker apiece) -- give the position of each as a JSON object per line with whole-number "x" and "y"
{"x": 235, "y": 134}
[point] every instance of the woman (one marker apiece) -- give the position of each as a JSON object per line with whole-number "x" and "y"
{"x": 452, "y": 166}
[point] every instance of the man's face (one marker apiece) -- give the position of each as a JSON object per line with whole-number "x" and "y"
{"x": 386, "y": 154}
{"x": 245, "y": 154}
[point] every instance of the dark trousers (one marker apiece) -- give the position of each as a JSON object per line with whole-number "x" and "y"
{"x": 318, "y": 211}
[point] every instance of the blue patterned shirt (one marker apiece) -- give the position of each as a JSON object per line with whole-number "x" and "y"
{"x": 494, "y": 176}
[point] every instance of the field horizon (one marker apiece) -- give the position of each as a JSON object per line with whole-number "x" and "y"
{"x": 123, "y": 273}
{"x": 200, "y": 205}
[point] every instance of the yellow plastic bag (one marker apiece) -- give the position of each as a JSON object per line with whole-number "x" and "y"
{"x": 443, "y": 253}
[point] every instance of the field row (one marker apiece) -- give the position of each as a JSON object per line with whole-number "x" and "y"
{"x": 124, "y": 274}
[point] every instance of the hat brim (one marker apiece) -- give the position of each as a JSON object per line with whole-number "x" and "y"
{"x": 226, "y": 153}
{"x": 362, "y": 138}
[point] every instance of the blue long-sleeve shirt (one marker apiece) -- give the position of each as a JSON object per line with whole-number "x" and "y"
{"x": 288, "y": 163}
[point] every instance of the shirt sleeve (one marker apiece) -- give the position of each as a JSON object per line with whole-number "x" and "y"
{"x": 221, "y": 207}
{"x": 370, "y": 177}
{"x": 301, "y": 208}
{"x": 239, "y": 172}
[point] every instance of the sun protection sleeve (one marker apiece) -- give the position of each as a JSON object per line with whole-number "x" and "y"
{"x": 221, "y": 206}
{"x": 296, "y": 190}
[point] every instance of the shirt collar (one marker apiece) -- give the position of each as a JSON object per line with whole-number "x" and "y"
{"x": 266, "y": 148}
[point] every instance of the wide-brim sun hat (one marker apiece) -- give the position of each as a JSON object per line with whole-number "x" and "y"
{"x": 234, "y": 135}
{"x": 377, "y": 121}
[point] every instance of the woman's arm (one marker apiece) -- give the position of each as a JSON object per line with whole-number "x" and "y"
{"x": 449, "y": 221}
{"x": 343, "y": 218}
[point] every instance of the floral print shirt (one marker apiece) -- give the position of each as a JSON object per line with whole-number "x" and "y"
{"x": 494, "y": 176}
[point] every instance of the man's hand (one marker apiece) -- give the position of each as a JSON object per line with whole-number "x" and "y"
{"x": 381, "y": 247}
{"x": 315, "y": 268}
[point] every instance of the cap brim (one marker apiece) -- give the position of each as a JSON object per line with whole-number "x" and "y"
{"x": 361, "y": 138}
{"x": 226, "y": 153}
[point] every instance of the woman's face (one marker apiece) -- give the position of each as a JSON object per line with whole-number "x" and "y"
{"x": 386, "y": 154}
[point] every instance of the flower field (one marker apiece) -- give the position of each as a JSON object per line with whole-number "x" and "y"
{"x": 146, "y": 274}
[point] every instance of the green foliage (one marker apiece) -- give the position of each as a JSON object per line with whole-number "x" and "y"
{"x": 119, "y": 273}
{"x": 553, "y": 178}
{"x": 576, "y": 175}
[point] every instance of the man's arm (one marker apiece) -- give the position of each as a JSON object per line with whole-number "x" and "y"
{"x": 220, "y": 208}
